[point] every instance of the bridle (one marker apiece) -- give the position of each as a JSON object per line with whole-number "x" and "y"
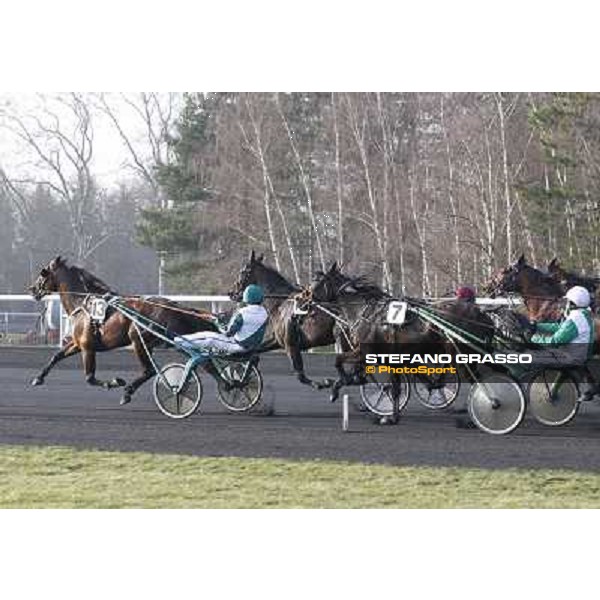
{"x": 505, "y": 283}
{"x": 40, "y": 292}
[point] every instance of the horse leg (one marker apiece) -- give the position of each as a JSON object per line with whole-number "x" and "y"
{"x": 293, "y": 346}
{"x": 396, "y": 389}
{"x": 89, "y": 366}
{"x": 295, "y": 356}
{"x": 70, "y": 350}
{"x": 343, "y": 377}
{"x": 148, "y": 369}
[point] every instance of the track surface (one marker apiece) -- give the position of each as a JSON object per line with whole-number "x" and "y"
{"x": 305, "y": 426}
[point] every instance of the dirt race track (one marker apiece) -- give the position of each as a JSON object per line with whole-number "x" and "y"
{"x": 305, "y": 425}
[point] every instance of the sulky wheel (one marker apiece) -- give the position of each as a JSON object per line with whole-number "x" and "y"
{"x": 497, "y": 404}
{"x": 553, "y": 397}
{"x": 437, "y": 392}
{"x": 241, "y": 386}
{"x": 378, "y": 395}
{"x": 172, "y": 401}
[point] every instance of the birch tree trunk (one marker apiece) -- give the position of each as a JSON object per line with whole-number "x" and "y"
{"x": 266, "y": 186}
{"x": 419, "y": 220}
{"x": 339, "y": 186}
{"x": 528, "y": 236}
{"x": 451, "y": 200}
{"x": 306, "y": 187}
{"x": 360, "y": 144}
{"x": 507, "y": 201}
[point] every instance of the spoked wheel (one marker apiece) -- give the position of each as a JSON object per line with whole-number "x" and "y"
{"x": 241, "y": 386}
{"x": 173, "y": 402}
{"x": 378, "y": 395}
{"x": 553, "y": 397}
{"x": 439, "y": 392}
{"x": 497, "y": 404}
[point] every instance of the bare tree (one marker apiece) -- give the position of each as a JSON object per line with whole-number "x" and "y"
{"x": 451, "y": 192}
{"x": 60, "y": 137}
{"x": 358, "y": 126}
{"x": 155, "y": 115}
{"x": 338, "y": 173}
{"x": 305, "y": 184}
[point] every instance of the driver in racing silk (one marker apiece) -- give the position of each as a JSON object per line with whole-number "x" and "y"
{"x": 244, "y": 333}
{"x": 466, "y": 294}
{"x": 570, "y": 342}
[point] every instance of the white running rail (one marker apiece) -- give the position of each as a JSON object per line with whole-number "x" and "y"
{"x": 216, "y": 303}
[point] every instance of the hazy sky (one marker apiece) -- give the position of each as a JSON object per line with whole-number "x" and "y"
{"x": 110, "y": 154}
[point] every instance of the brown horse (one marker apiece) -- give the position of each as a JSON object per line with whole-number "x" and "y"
{"x": 76, "y": 288}
{"x": 288, "y": 330}
{"x": 567, "y": 280}
{"x": 541, "y": 293}
{"x": 362, "y": 309}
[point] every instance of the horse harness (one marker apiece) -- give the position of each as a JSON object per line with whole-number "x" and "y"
{"x": 305, "y": 297}
{"x": 96, "y": 309}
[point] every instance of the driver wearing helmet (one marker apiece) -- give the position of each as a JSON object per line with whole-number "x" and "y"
{"x": 244, "y": 333}
{"x": 570, "y": 342}
{"x": 466, "y": 294}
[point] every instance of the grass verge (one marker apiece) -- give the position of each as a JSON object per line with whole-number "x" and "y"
{"x": 64, "y": 478}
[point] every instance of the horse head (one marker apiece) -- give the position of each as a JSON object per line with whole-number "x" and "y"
{"x": 568, "y": 279}
{"x": 256, "y": 272}
{"x": 557, "y": 273}
{"x": 506, "y": 280}
{"x": 327, "y": 286}
{"x": 47, "y": 281}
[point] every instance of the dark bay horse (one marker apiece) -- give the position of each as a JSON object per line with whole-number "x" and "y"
{"x": 541, "y": 293}
{"x": 76, "y": 287}
{"x": 567, "y": 280}
{"x": 288, "y": 330}
{"x": 362, "y": 309}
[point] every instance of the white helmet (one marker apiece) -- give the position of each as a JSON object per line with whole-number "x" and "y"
{"x": 579, "y": 296}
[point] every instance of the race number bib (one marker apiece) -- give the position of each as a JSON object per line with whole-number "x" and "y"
{"x": 98, "y": 310}
{"x": 397, "y": 313}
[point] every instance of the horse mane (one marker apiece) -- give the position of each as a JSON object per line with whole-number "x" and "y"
{"x": 92, "y": 284}
{"x": 570, "y": 278}
{"x": 544, "y": 280}
{"x": 280, "y": 279}
{"x": 364, "y": 287}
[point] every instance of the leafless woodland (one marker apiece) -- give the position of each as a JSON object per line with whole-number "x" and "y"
{"x": 421, "y": 191}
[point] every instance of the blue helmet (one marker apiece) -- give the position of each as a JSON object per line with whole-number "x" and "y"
{"x": 254, "y": 294}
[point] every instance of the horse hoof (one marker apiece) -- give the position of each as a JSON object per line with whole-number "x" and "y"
{"x": 334, "y": 398}
{"x": 125, "y": 400}
{"x": 37, "y": 382}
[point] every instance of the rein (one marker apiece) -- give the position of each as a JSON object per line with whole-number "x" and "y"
{"x": 194, "y": 313}
{"x": 344, "y": 325}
